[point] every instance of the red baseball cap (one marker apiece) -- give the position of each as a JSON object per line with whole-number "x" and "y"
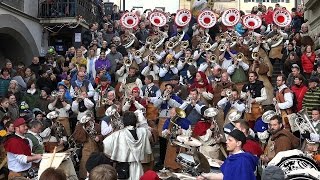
{"x": 18, "y": 122}
{"x": 136, "y": 89}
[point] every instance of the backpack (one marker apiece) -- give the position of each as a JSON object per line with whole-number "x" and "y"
{"x": 294, "y": 107}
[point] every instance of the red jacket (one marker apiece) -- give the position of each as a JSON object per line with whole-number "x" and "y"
{"x": 299, "y": 92}
{"x": 308, "y": 62}
{"x": 268, "y": 17}
{"x": 252, "y": 147}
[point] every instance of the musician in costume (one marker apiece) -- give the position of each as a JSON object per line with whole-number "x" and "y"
{"x": 200, "y": 56}
{"x": 53, "y": 133}
{"x": 284, "y": 100}
{"x": 87, "y": 133}
{"x": 237, "y": 71}
{"x": 82, "y": 105}
{"x": 112, "y": 121}
{"x": 203, "y": 87}
{"x": 167, "y": 70}
{"x": 254, "y": 93}
{"x": 185, "y": 61}
{"x": 192, "y": 106}
{"x": 153, "y": 70}
{"x": 239, "y": 164}
{"x": 130, "y": 81}
{"x": 62, "y": 106}
{"x": 130, "y": 145}
{"x": 231, "y": 101}
{"x": 178, "y": 88}
{"x": 275, "y": 37}
{"x": 81, "y": 83}
{"x": 260, "y": 66}
{"x": 252, "y": 146}
{"x": 220, "y": 87}
{"x": 281, "y": 139}
{"x": 150, "y": 90}
{"x": 188, "y": 78}
{"x": 315, "y": 116}
{"x": 170, "y": 131}
{"x": 18, "y": 151}
{"x": 227, "y": 55}
{"x": 134, "y": 101}
{"x": 101, "y": 95}
{"x": 164, "y": 103}
{"x": 35, "y": 140}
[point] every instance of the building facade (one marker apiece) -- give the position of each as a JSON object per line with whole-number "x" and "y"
{"x": 312, "y": 14}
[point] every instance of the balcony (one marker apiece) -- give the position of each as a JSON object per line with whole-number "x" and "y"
{"x": 65, "y": 11}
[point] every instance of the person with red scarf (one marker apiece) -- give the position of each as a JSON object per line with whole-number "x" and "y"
{"x": 203, "y": 87}
{"x": 18, "y": 151}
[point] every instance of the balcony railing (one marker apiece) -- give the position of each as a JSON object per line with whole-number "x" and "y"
{"x": 18, "y": 4}
{"x": 68, "y": 8}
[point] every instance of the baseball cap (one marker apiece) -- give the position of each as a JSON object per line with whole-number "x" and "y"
{"x": 238, "y": 135}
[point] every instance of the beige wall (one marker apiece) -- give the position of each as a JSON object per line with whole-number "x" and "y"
{"x": 312, "y": 13}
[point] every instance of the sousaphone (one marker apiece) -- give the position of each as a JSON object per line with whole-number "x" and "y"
{"x": 282, "y": 17}
{"x": 252, "y": 21}
{"x": 230, "y": 17}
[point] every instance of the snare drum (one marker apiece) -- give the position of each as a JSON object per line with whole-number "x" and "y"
{"x": 185, "y": 160}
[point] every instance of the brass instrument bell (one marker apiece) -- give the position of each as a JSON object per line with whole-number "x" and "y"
{"x": 213, "y": 58}
{"x": 170, "y": 45}
{"x": 137, "y": 53}
{"x": 254, "y": 55}
{"x": 234, "y": 38}
{"x": 172, "y": 63}
{"x": 152, "y": 59}
{"x": 180, "y": 112}
{"x": 222, "y": 47}
{"x": 127, "y": 62}
{"x": 190, "y": 61}
{"x": 185, "y": 44}
{"x": 152, "y": 47}
{"x": 240, "y": 56}
{"x": 149, "y": 40}
{"x": 206, "y": 46}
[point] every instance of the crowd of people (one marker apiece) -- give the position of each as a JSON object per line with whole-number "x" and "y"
{"x": 126, "y": 91}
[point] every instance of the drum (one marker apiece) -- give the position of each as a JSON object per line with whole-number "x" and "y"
{"x": 185, "y": 160}
{"x": 293, "y": 160}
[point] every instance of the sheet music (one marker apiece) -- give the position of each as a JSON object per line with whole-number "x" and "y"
{"x": 46, "y": 158}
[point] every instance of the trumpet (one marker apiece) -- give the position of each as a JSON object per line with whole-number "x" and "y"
{"x": 190, "y": 61}
{"x": 228, "y": 93}
{"x": 213, "y": 58}
{"x": 206, "y": 46}
{"x": 170, "y": 45}
{"x": 222, "y": 47}
{"x": 54, "y": 94}
{"x": 254, "y": 55}
{"x": 222, "y": 36}
{"x": 152, "y": 47}
{"x": 127, "y": 62}
{"x": 152, "y": 59}
{"x": 185, "y": 44}
{"x": 172, "y": 63}
{"x": 240, "y": 56}
{"x": 166, "y": 96}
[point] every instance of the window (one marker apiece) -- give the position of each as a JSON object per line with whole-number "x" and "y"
{"x": 274, "y": 1}
{"x": 287, "y": 1}
{"x": 265, "y": 0}
{"x": 249, "y": 0}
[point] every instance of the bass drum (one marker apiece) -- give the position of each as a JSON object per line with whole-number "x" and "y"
{"x": 293, "y": 162}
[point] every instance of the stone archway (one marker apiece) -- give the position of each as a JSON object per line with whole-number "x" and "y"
{"x": 17, "y": 43}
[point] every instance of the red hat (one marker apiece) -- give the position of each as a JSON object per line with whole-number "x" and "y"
{"x": 18, "y": 122}
{"x": 136, "y": 89}
{"x": 150, "y": 175}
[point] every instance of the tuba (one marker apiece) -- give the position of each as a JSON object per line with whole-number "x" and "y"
{"x": 303, "y": 122}
{"x": 129, "y": 40}
{"x": 173, "y": 127}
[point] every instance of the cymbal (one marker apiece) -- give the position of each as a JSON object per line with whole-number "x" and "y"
{"x": 200, "y": 159}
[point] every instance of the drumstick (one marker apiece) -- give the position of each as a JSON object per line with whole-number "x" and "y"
{"x": 53, "y": 154}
